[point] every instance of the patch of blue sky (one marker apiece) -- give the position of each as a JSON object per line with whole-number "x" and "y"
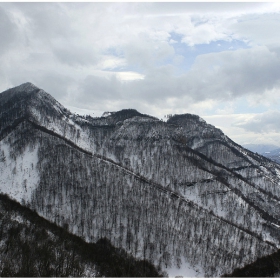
{"x": 186, "y": 54}
{"x": 130, "y": 68}
{"x": 189, "y": 53}
{"x": 113, "y": 51}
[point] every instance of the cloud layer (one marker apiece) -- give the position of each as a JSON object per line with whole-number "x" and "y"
{"x": 267, "y": 122}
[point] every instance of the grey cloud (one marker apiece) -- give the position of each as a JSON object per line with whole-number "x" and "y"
{"x": 99, "y": 93}
{"x": 75, "y": 55}
{"x": 47, "y": 20}
{"x": 218, "y": 77}
{"x": 58, "y": 85}
{"x": 198, "y": 7}
{"x": 59, "y": 28}
{"x": 227, "y": 75}
{"x": 144, "y": 52}
{"x": 259, "y": 29}
{"x": 8, "y": 31}
{"x": 221, "y": 77}
{"x": 95, "y": 88}
{"x": 112, "y": 94}
{"x": 158, "y": 84}
{"x": 267, "y": 122}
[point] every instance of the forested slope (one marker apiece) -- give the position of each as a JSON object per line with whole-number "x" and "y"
{"x": 34, "y": 247}
{"x": 178, "y": 193}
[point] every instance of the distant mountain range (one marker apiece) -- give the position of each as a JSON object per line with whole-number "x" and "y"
{"x": 177, "y": 193}
{"x": 270, "y": 151}
{"x": 260, "y": 148}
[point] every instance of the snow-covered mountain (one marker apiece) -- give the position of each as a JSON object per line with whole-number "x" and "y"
{"x": 270, "y": 151}
{"x": 179, "y": 193}
{"x": 260, "y": 148}
{"x": 273, "y": 155}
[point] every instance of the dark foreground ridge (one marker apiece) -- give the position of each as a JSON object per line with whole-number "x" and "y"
{"x": 268, "y": 266}
{"x": 31, "y": 246}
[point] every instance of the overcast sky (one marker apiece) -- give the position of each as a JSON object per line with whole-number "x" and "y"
{"x": 218, "y": 60}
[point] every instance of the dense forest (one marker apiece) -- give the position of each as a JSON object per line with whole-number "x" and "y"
{"x": 31, "y": 246}
{"x": 150, "y": 221}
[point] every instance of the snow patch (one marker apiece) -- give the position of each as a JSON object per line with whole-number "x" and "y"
{"x": 106, "y": 114}
{"x": 275, "y": 225}
{"x": 19, "y": 177}
{"x": 186, "y": 270}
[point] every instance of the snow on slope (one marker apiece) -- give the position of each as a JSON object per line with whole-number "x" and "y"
{"x": 18, "y": 177}
{"x": 186, "y": 271}
{"x": 65, "y": 127}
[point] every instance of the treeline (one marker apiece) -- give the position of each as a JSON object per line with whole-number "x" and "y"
{"x": 34, "y": 247}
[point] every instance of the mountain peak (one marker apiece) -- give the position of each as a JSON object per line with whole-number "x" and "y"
{"x": 21, "y": 91}
{"x": 26, "y": 87}
{"x": 124, "y": 114}
{"x": 183, "y": 117}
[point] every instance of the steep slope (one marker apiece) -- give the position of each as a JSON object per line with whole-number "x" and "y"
{"x": 33, "y": 247}
{"x": 148, "y": 220}
{"x": 182, "y": 155}
{"x": 172, "y": 192}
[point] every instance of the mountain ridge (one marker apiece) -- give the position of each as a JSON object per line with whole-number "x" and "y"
{"x": 167, "y": 167}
